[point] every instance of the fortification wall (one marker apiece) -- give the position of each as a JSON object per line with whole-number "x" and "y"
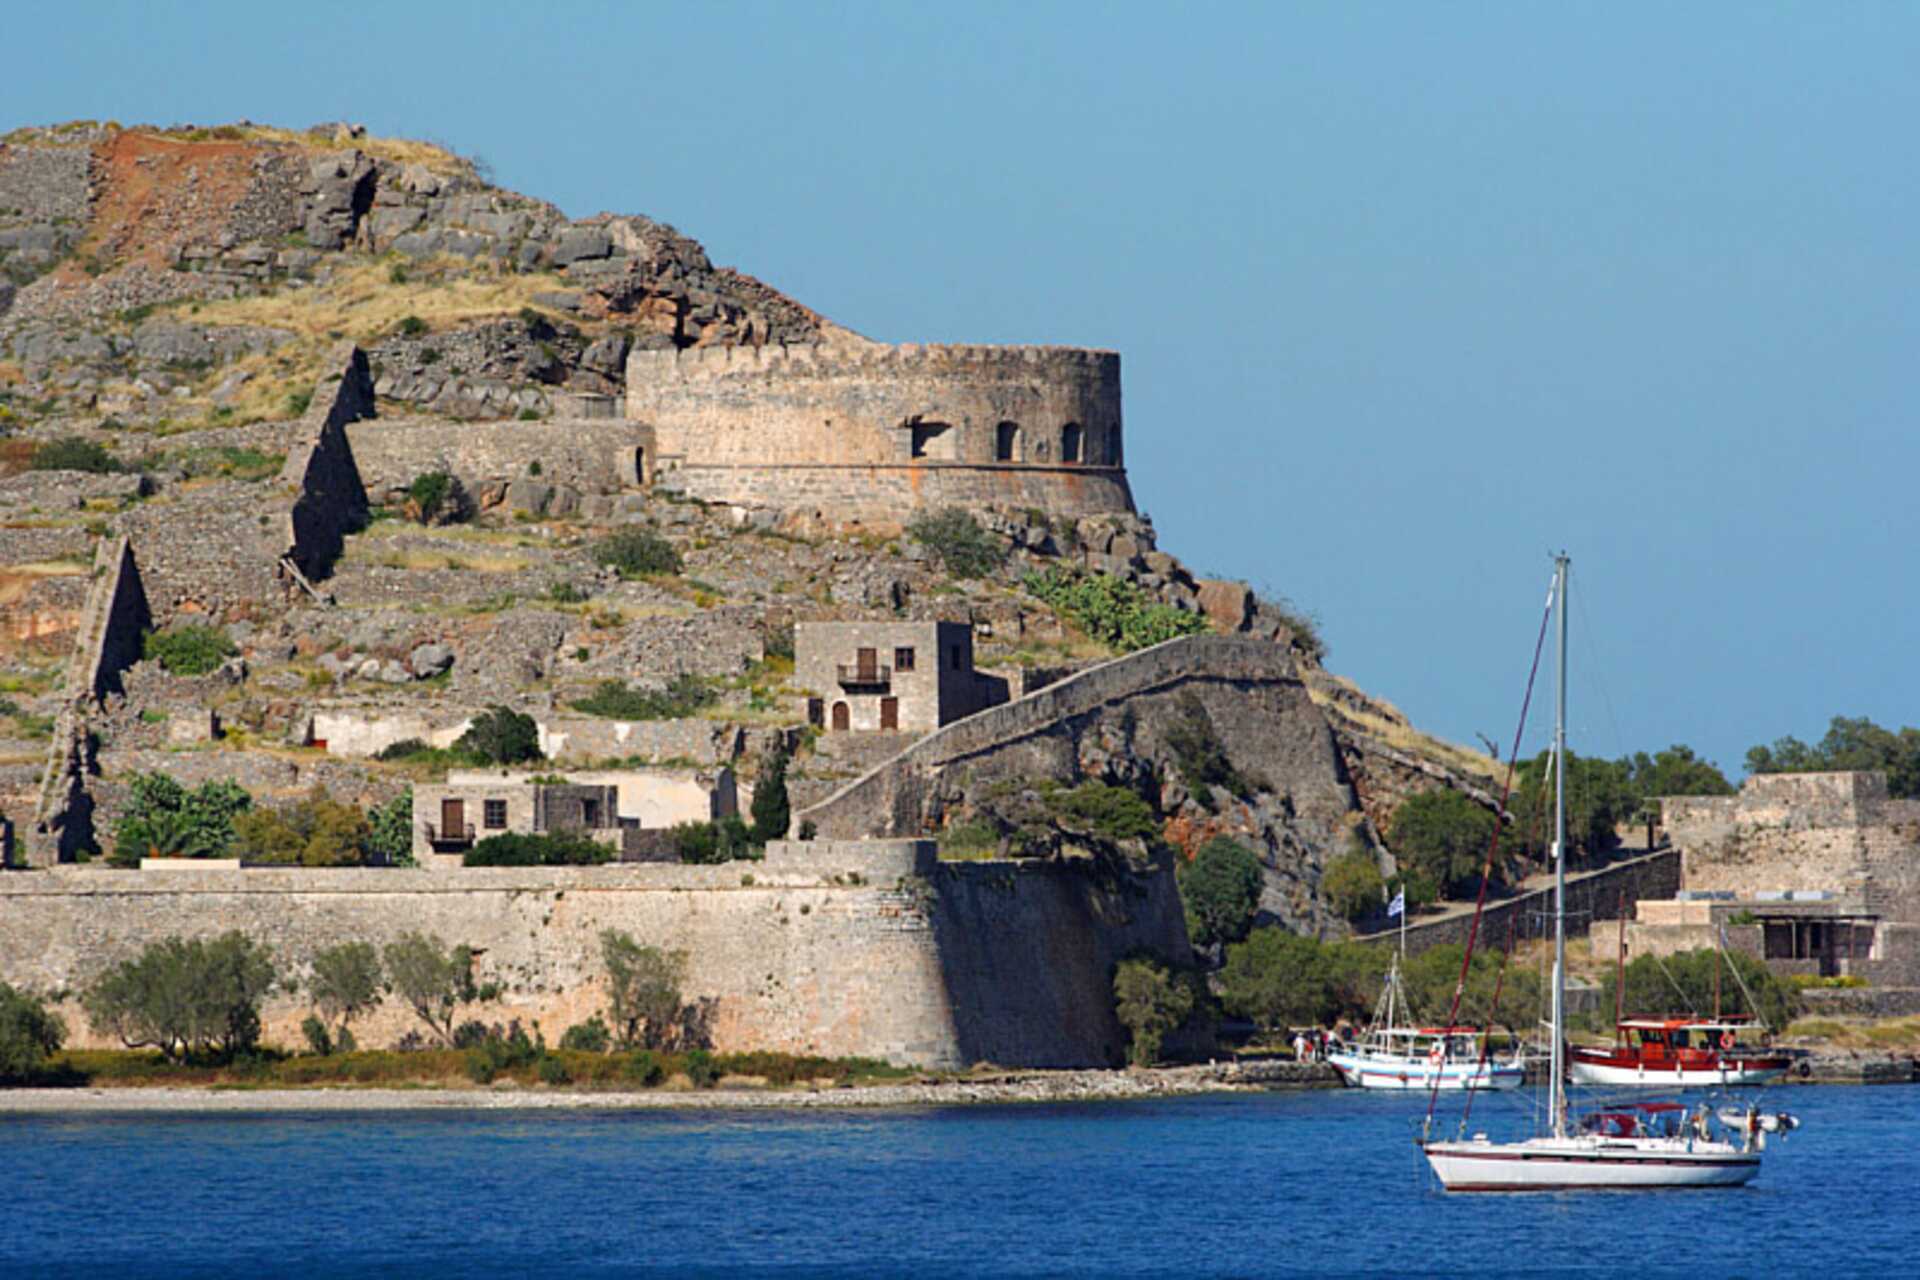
{"x": 366, "y": 731}
{"x": 870, "y": 949}
{"x": 1591, "y": 896}
{"x": 329, "y": 500}
{"x": 1803, "y": 831}
{"x": 866, "y": 431}
{"x": 596, "y": 456}
{"x": 1251, "y": 691}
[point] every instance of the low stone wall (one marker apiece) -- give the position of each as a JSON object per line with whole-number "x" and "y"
{"x": 1591, "y": 896}
{"x": 863, "y": 948}
{"x": 597, "y": 456}
{"x": 881, "y": 492}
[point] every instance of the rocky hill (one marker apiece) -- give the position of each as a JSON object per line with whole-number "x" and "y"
{"x": 179, "y": 300}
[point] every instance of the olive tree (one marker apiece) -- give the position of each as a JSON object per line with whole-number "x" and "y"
{"x": 185, "y": 997}
{"x": 346, "y": 982}
{"x": 643, "y": 990}
{"x": 1150, "y": 1000}
{"x": 432, "y": 978}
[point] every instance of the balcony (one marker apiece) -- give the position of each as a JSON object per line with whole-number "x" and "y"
{"x": 865, "y": 676}
{"x": 459, "y": 837}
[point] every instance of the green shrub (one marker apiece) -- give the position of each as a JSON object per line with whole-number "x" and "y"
{"x": 298, "y": 402}
{"x": 1113, "y": 611}
{"x": 72, "y": 453}
{"x": 188, "y": 648}
{"x": 615, "y": 700}
{"x": 502, "y": 735}
{"x": 161, "y": 818}
{"x": 956, "y": 539}
{"x": 772, "y": 810}
{"x": 29, "y": 1035}
{"x": 1220, "y": 891}
{"x": 700, "y": 1068}
{"x": 637, "y": 553}
{"x": 316, "y": 831}
{"x": 1353, "y": 886}
{"x": 390, "y": 829}
{"x": 590, "y": 1036}
{"x": 412, "y": 326}
{"x": 429, "y": 494}
{"x": 319, "y": 1039}
{"x": 1200, "y": 755}
{"x": 1150, "y": 1001}
{"x": 553, "y": 1071}
{"x": 643, "y": 1067}
{"x": 725, "y": 840}
{"x": 566, "y": 593}
{"x": 543, "y": 849}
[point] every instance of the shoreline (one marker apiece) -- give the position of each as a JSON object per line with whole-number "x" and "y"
{"x": 1009, "y": 1089}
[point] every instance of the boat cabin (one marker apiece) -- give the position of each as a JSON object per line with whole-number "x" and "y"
{"x": 1636, "y": 1120}
{"x": 1669, "y": 1039}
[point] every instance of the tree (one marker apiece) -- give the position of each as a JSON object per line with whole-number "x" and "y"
{"x": 163, "y": 819}
{"x": 637, "y": 553}
{"x": 1220, "y": 890}
{"x": 772, "y": 811}
{"x": 1849, "y": 744}
{"x": 643, "y": 991}
{"x": 538, "y": 849}
{"x": 1677, "y": 771}
{"x": 1443, "y": 835}
{"x": 1150, "y": 1001}
{"x": 185, "y": 996}
{"x": 956, "y": 539}
{"x": 502, "y": 735}
{"x": 345, "y": 983}
{"x": 390, "y": 830}
{"x": 1600, "y": 796}
{"x": 723, "y": 840}
{"x": 1430, "y": 978}
{"x": 316, "y": 831}
{"x": 1278, "y": 979}
{"x": 29, "y": 1035}
{"x": 1353, "y": 886}
{"x": 432, "y": 978}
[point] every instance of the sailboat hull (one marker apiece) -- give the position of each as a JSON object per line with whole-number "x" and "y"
{"x": 1374, "y": 1071}
{"x": 1585, "y": 1164}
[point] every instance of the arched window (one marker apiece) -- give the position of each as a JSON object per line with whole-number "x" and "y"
{"x": 842, "y": 719}
{"x": 1072, "y": 436}
{"x": 1006, "y": 442}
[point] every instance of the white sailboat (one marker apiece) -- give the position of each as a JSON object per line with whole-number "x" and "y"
{"x": 1389, "y": 1055}
{"x": 1638, "y": 1146}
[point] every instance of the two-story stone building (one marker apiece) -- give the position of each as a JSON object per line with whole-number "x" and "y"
{"x": 890, "y": 677}
{"x": 452, "y": 817}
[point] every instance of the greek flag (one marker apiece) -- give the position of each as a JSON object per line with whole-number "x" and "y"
{"x": 1398, "y": 906}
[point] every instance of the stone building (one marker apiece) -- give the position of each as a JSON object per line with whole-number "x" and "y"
{"x": 865, "y": 432}
{"x": 1817, "y": 873}
{"x": 452, "y": 817}
{"x": 651, "y": 798}
{"x": 890, "y": 677}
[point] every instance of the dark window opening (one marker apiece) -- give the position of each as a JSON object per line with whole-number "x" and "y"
{"x": 1072, "y": 437}
{"x": 933, "y": 440}
{"x": 903, "y": 659}
{"x": 494, "y": 814}
{"x": 954, "y": 657}
{"x": 816, "y": 712}
{"x": 590, "y": 812}
{"x": 1006, "y": 441}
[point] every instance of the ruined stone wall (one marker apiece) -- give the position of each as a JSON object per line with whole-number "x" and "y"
{"x": 591, "y": 456}
{"x": 871, "y": 432}
{"x": 329, "y": 499}
{"x": 117, "y": 614}
{"x": 1803, "y": 831}
{"x": 1248, "y": 686}
{"x": 870, "y": 949}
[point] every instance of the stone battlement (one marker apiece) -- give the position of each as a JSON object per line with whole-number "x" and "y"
{"x": 867, "y": 432}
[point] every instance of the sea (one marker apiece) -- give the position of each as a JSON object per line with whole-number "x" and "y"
{"x": 1298, "y": 1183}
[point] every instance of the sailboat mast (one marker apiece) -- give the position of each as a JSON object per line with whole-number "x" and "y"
{"x": 1557, "y": 1096}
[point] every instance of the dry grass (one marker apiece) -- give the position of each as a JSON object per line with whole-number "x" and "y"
{"x": 17, "y": 580}
{"x": 1859, "y": 1033}
{"x": 400, "y": 150}
{"x": 1392, "y": 728}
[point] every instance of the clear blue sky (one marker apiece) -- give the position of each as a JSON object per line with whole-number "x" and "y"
{"x": 1407, "y": 294}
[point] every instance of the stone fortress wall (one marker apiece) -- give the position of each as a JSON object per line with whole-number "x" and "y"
{"x": 870, "y": 948}
{"x": 872, "y": 432}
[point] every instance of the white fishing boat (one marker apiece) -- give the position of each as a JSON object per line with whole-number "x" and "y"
{"x": 1390, "y": 1056}
{"x": 1643, "y": 1146}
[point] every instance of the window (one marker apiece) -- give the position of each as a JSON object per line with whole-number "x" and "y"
{"x": 933, "y": 440}
{"x": 494, "y": 814}
{"x": 1071, "y": 437}
{"x": 1006, "y": 442}
{"x": 955, "y": 658}
{"x": 903, "y": 659}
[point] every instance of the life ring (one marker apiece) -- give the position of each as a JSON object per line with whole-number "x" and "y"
{"x": 1806, "y": 1070}
{"x": 1726, "y": 1040}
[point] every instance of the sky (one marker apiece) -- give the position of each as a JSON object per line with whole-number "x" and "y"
{"x": 1407, "y": 296}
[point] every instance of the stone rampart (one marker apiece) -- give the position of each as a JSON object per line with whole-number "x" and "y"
{"x": 598, "y": 456}
{"x": 867, "y": 432}
{"x": 1591, "y": 896}
{"x": 1249, "y": 687}
{"x": 117, "y": 614}
{"x": 838, "y": 948}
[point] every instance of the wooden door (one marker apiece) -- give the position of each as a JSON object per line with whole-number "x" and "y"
{"x": 889, "y": 713}
{"x": 867, "y": 663}
{"x": 841, "y": 720}
{"x": 453, "y": 819}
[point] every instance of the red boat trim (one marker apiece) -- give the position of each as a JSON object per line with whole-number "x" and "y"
{"x": 1690, "y": 1162}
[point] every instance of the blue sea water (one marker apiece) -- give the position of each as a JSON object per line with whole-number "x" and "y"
{"x": 1326, "y": 1183}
